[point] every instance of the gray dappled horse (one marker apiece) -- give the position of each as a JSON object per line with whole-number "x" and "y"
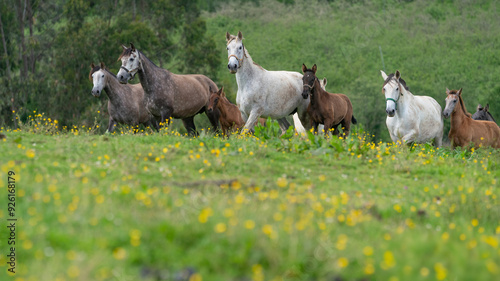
{"x": 168, "y": 95}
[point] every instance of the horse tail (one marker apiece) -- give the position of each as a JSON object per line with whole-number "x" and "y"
{"x": 353, "y": 120}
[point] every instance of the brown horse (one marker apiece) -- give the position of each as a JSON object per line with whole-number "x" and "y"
{"x": 168, "y": 94}
{"x": 126, "y": 103}
{"x": 229, "y": 114}
{"x": 465, "y": 130}
{"x": 326, "y": 108}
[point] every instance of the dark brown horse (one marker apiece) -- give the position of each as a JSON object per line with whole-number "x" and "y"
{"x": 482, "y": 113}
{"x": 168, "y": 94}
{"x": 230, "y": 116}
{"x": 464, "y": 130}
{"x": 325, "y": 108}
{"x": 126, "y": 103}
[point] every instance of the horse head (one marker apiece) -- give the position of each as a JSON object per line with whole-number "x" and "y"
{"x": 131, "y": 63}
{"x": 214, "y": 99}
{"x": 323, "y": 83}
{"x": 97, "y": 76}
{"x": 308, "y": 80}
{"x": 394, "y": 87}
{"x": 235, "y": 51}
{"x": 452, "y": 99}
{"x": 482, "y": 113}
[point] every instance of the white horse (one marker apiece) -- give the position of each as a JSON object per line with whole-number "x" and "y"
{"x": 274, "y": 94}
{"x": 411, "y": 119}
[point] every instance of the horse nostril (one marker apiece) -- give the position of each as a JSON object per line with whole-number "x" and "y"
{"x": 228, "y": 67}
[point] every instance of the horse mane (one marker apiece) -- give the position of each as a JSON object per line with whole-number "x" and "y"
{"x": 462, "y": 104}
{"x": 401, "y": 81}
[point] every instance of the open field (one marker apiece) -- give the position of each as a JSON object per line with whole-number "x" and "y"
{"x": 167, "y": 207}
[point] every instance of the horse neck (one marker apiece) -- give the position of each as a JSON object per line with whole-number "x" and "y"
{"x": 113, "y": 88}
{"x": 460, "y": 114}
{"x": 147, "y": 73}
{"x": 317, "y": 93}
{"x": 223, "y": 105}
{"x": 247, "y": 71}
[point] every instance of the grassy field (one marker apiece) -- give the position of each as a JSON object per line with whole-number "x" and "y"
{"x": 167, "y": 207}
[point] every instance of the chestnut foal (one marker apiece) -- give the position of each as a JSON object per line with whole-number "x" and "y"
{"x": 229, "y": 114}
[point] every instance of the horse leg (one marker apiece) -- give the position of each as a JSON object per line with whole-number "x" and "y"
{"x": 346, "y": 127}
{"x": 250, "y": 123}
{"x": 315, "y": 126}
{"x": 189, "y": 125}
{"x": 298, "y": 125}
{"x": 284, "y": 124}
{"x": 409, "y": 138}
{"x": 165, "y": 117}
{"x": 111, "y": 125}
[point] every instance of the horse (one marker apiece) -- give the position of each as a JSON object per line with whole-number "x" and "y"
{"x": 230, "y": 116}
{"x": 464, "y": 130}
{"x": 326, "y": 108}
{"x": 296, "y": 120}
{"x": 126, "y": 103}
{"x": 168, "y": 94}
{"x": 410, "y": 118}
{"x": 482, "y": 113}
{"x": 274, "y": 94}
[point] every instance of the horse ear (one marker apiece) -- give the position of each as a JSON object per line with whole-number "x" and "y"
{"x": 304, "y": 68}
{"x": 479, "y": 107}
{"x": 398, "y": 75}
{"x": 384, "y": 76}
{"x": 487, "y": 107}
{"x": 240, "y": 36}
{"x": 132, "y": 47}
{"x": 92, "y": 65}
{"x": 220, "y": 92}
{"x": 324, "y": 82}
{"x": 314, "y": 68}
{"x": 102, "y": 65}
{"x": 228, "y": 36}
{"x": 459, "y": 92}
{"x": 124, "y": 47}
{"x": 447, "y": 91}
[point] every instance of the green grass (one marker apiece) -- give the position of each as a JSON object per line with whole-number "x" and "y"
{"x": 151, "y": 206}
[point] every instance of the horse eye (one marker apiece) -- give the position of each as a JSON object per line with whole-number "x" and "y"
{"x": 102, "y": 76}
{"x": 397, "y": 89}
{"x": 131, "y": 59}
{"x": 227, "y": 48}
{"x": 241, "y": 47}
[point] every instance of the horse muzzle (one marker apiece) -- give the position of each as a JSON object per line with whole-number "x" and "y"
{"x": 305, "y": 94}
{"x": 233, "y": 68}
{"x": 96, "y": 93}
{"x": 446, "y": 114}
{"x": 123, "y": 76}
{"x": 391, "y": 112}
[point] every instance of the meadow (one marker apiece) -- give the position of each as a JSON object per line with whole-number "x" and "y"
{"x": 163, "y": 206}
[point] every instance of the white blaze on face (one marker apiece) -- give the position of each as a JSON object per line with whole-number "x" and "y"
{"x": 451, "y": 102}
{"x": 99, "y": 81}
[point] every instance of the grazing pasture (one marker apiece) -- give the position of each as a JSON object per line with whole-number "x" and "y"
{"x": 159, "y": 206}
